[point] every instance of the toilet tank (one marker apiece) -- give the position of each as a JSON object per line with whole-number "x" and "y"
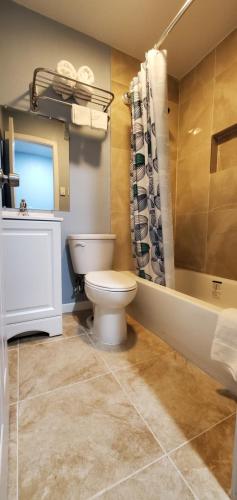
{"x": 91, "y": 252}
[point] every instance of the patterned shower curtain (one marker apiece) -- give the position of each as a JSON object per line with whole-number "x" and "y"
{"x": 151, "y": 205}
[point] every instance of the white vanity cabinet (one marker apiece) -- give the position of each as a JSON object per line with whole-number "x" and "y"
{"x": 32, "y": 262}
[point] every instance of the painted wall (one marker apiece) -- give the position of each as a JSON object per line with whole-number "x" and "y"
{"x": 206, "y": 203}
{"x": 29, "y": 40}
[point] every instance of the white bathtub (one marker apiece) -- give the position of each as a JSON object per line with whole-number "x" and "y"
{"x": 184, "y": 321}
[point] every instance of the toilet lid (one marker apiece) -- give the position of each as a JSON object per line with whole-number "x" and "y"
{"x": 111, "y": 280}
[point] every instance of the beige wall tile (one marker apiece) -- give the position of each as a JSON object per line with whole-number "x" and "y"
{"x": 222, "y": 243}
{"x": 120, "y": 225}
{"x": 120, "y": 180}
{"x": 193, "y": 173}
{"x": 200, "y": 76}
{"x": 173, "y": 129}
{"x": 172, "y": 167}
{"x": 123, "y": 67}
{"x": 195, "y": 119}
{"x": 207, "y": 105}
{"x": 120, "y": 119}
{"x": 173, "y": 89}
{"x": 226, "y": 52}
{"x": 223, "y": 189}
{"x": 190, "y": 244}
{"x": 225, "y": 99}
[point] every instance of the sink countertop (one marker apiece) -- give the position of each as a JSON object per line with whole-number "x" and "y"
{"x": 41, "y": 216}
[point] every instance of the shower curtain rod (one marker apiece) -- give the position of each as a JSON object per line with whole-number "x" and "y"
{"x": 165, "y": 33}
{"x": 173, "y": 23}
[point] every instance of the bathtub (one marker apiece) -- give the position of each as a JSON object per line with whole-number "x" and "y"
{"x": 186, "y": 317}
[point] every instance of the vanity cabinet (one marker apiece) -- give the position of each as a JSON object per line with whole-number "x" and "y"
{"x": 32, "y": 261}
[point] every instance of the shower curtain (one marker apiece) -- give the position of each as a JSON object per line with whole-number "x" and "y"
{"x": 151, "y": 205}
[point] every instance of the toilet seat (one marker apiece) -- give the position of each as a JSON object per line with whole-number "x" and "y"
{"x": 113, "y": 281}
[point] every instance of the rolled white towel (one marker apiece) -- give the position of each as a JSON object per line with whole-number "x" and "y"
{"x": 64, "y": 68}
{"x": 84, "y": 75}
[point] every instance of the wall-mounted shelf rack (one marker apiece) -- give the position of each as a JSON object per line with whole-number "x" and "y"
{"x": 44, "y": 81}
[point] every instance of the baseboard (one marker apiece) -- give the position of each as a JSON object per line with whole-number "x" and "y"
{"x": 76, "y": 306}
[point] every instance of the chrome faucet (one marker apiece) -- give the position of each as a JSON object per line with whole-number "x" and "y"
{"x": 23, "y": 207}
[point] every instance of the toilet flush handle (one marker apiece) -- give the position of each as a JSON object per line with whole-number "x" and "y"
{"x": 80, "y": 245}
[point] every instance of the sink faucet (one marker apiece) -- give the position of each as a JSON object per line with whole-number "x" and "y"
{"x": 23, "y": 208}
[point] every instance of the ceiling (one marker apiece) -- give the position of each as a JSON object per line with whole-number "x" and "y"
{"x": 134, "y": 26}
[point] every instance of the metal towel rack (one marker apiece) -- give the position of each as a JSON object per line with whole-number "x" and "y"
{"x": 42, "y": 85}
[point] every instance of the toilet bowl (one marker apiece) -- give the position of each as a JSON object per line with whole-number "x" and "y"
{"x": 110, "y": 292}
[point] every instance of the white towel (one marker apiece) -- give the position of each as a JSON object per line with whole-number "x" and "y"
{"x": 85, "y": 75}
{"x": 80, "y": 115}
{"x": 99, "y": 119}
{"x": 224, "y": 345}
{"x": 64, "y": 68}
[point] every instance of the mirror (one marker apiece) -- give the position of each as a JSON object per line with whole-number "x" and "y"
{"x": 37, "y": 149}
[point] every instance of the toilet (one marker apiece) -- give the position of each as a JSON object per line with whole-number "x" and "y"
{"x": 109, "y": 291}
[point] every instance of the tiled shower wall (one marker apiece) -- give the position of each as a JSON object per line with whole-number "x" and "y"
{"x": 206, "y": 203}
{"x": 123, "y": 69}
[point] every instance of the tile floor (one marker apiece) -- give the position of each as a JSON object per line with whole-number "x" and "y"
{"x": 138, "y": 423}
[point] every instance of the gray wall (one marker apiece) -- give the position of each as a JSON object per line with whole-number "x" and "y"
{"x": 28, "y": 40}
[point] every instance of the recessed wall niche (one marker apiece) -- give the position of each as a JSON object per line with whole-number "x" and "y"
{"x": 224, "y": 150}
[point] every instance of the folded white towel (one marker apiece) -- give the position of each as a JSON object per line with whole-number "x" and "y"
{"x": 99, "y": 119}
{"x": 85, "y": 75}
{"x": 64, "y": 68}
{"x": 80, "y": 115}
{"x": 224, "y": 346}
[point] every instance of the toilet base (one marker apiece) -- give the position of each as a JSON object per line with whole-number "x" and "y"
{"x": 110, "y": 326}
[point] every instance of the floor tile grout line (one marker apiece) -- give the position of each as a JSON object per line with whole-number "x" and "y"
{"x": 201, "y": 433}
{"x": 58, "y": 338}
{"x": 140, "y": 415}
{"x": 62, "y": 387}
{"x": 182, "y": 477}
{"x": 126, "y": 367}
{"x": 165, "y": 454}
{"x": 121, "y": 368}
{"x": 100, "y": 356}
{"x": 125, "y": 478}
{"x": 115, "y": 370}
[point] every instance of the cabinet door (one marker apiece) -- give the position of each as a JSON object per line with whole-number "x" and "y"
{"x": 32, "y": 259}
